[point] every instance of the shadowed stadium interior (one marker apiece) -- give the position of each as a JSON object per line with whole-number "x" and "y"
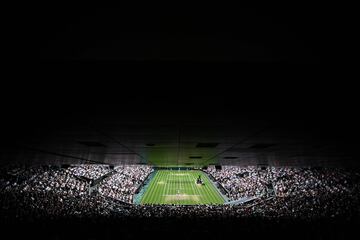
{"x": 184, "y": 125}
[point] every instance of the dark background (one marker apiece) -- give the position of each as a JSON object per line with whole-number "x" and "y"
{"x": 285, "y": 65}
{"x": 293, "y": 55}
{"x": 288, "y": 65}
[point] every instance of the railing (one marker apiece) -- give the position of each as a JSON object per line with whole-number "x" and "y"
{"x": 142, "y": 188}
{"x": 242, "y": 200}
{"x": 147, "y": 178}
{"x": 100, "y": 179}
{"x": 219, "y": 185}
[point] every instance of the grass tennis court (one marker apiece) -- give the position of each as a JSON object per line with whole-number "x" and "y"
{"x": 179, "y": 187}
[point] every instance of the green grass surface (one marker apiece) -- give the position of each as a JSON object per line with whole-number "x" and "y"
{"x": 179, "y": 187}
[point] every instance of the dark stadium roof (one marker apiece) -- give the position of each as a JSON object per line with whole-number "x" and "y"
{"x": 110, "y": 134}
{"x": 110, "y": 86}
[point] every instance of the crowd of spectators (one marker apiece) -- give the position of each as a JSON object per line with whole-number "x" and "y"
{"x": 240, "y": 182}
{"x": 123, "y": 184}
{"x": 285, "y": 181}
{"x": 89, "y": 171}
{"x": 300, "y": 193}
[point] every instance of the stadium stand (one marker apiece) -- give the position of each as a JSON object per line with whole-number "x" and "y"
{"x": 52, "y": 196}
{"x": 300, "y": 192}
